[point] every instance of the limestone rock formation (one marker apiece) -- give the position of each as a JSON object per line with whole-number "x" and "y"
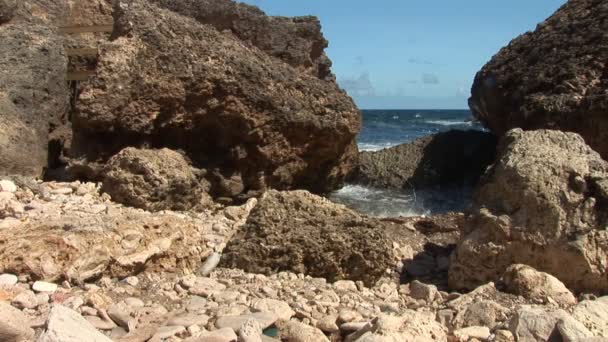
{"x": 449, "y": 158}
{"x": 154, "y": 180}
{"x": 73, "y": 232}
{"x": 297, "y": 41}
{"x": 167, "y": 80}
{"x": 541, "y": 204}
{"x": 551, "y": 78}
{"x": 304, "y": 233}
{"x": 33, "y": 95}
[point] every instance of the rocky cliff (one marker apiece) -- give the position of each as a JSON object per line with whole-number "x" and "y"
{"x": 553, "y": 77}
{"x": 237, "y": 111}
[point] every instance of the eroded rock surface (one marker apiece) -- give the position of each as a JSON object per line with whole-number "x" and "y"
{"x": 541, "y": 204}
{"x": 304, "y": 233}
{"x": 450, "y": 158}
{"x": 553, "y": 77}
{"x": 297, "y": 41}
{"x": 155, "y": 180}
{"x": 167, "y": 80}
{"x": 33, "y": 95}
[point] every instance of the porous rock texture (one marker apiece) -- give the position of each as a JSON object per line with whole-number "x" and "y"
{"x": 167, "y": 80}
{"x": 33, "y": 95}
{"x": 297, "y": 41}
{"x": 304, "y": 233}
{"x": 449, "y": 158}
{"x": 73, "y": 232}
{"x": 154, "y": 180}
{"x": 541, "y": 204}
{"x": 553, "y": 77}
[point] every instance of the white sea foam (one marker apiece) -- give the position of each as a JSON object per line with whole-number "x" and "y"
{"x": 375, "y": 146}
{"x": 449, "y": 122}
{"x": 377, "y": 202}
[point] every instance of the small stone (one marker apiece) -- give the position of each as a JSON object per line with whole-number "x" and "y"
{"x": 167, "y": 331}
{"x": 328, "y": 324}
{"x": 235, "y": 322}
{"x": 42, "y": 286}
{"x": 25, "y": 300}
{"x": 347, "y": 315}
{"x": 480, "y": 333}
{"x": 189, "y": 320}
{"x": 206, "y": 287}
{"x": 345, "y": 285}
{"x": 250, "y": 331}
{"x": 280, "y": 308}
{"x": 422, "y": 291}
{"x": 133, "y": 281}
{"x": 8, "y": 186}
{"x": 62, "y": 191}
{"x": 43, "y": 298}
{"x": 99, "y": 323}
{"x": 7, "y": 279}
{"x": 196, "y": 304}
{"x": 221, "y": 335}
{"x": 294, "y": 331}
{"x": 210, "y": 264}
{"x": 352, "y": 326}
{"x": 503, "y": 336}
{"x": 134, "y": 302}
{"x": 66, "y": 325}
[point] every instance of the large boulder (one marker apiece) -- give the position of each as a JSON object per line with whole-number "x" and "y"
{"x": 304, "y": 233}
{"x": 33, "y": 95}
{"x": 541, "y": 204}
{"x": 154, "y": 180}
{"x": 449, "y": 158}
{"x": 551, "y": 78}
{"x": 167, "y": 80}
{"x": 525, "y": 281}
{"x": 297, "y": 41}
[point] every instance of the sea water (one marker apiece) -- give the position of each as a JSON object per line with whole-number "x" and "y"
{"x": 386, "y": 128}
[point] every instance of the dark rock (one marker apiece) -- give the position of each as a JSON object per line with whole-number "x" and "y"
{"x": 527, "y": 211}
{"x": 551, "y": 78}
{"x": 303, "y": 233}
{"x": 297, "y": 41}
{"x": 450, "y": 158}
{"x": 154, "y": 180}
{"x": 7, "y": 10}
{"x": 33, "y": 95}
{"x": 168, "y": 81}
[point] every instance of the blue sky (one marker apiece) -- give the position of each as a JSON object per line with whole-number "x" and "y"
{"x": 414, "y": 54}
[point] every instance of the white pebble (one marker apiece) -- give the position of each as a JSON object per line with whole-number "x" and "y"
{"x": 42, "y": 286}
{"x": 8, "y": 186}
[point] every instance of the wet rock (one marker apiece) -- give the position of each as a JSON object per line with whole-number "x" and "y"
{"x": 14, "y": 325}
{"x": 224, "y": 112}
{"x": 567, "y": 90}
{"x": 307, "y": 234}
{"x": 450, "y": 158}
{"x": 528, "y": 282}
{"x": 526, "y": 211}
{"x": 153, "y": 180}
{"x": 66, "y": 325}
{"x": 33, "y": 94}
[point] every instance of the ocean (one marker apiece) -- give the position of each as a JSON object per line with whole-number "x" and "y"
{"x": 385, "y": 128}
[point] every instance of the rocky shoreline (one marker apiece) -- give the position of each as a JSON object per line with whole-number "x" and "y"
{"x": 182, "y": 199}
